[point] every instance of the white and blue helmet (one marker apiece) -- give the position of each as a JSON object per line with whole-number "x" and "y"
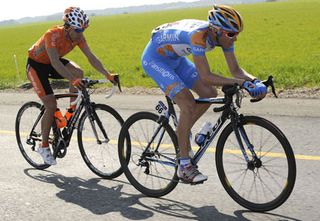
{"x": 226, "y": 18}
{"x": 75, "y": 17}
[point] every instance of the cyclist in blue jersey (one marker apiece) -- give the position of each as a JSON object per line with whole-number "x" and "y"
{"x": 164, "y": 60}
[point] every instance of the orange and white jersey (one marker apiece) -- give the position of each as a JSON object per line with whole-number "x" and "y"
{"x": 53, "y": 38}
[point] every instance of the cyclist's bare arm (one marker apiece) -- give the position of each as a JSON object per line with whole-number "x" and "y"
{"x": 238, "y": 72}
{"x": 234, "y": 67}
{"x": 57, "y": 64}
{"x": 94, "y": 61}
{"x": 206, "y": 75}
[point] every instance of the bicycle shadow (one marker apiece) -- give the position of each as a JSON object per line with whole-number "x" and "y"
{"x": 90, "y": 195}
{"x": 188, "y": 212}
{"x": 182, "y": 210}
{"x": 100, "y": 200}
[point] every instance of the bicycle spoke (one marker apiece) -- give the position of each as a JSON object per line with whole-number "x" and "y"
{"x": 156, "y": 172}
{"x": 101, "y": 158}
{"x": 271, "y": 173}
{"x": 26, "y": 124}
{"x": 262, "y": 187}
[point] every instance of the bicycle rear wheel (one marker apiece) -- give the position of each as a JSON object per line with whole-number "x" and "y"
{"x": 28, "y": 140}
{"x": 260, "y": 185}
{"x": 151, "y": 170}
{"x": 101, "y": 158}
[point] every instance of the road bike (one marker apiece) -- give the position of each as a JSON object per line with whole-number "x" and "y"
{"x": 254, "y": 160}
{"x": 98, "y": 127}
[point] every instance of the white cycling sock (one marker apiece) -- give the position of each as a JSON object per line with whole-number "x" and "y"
{"x": 184, "y": 161}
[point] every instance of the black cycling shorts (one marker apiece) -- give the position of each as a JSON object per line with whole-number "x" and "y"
{"x": 39, "y": 75}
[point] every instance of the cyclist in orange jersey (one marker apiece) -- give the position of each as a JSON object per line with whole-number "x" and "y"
{"x": 45, "y": 61}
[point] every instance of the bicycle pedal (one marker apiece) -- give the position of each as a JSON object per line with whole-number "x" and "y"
{"x": 193, "y": 184}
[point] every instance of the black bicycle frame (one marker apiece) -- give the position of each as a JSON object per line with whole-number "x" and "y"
{"x": 67, "y": 132}
{"x": 228, "y": 112}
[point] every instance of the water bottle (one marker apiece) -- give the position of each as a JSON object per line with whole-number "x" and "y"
{"x": 69, "y": 114}
{"x": 203, "y": 132}
{"x": 59, "y": 118}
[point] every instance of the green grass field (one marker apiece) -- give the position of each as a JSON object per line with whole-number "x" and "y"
{"x": 279, "y": 38}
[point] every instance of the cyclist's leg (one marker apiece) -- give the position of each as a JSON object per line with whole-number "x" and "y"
{"x": 185, "y": 100}
{"x": 73, "y": 68}
{"x": 186, "y": 171}
{"x": 165, "y": 76}
{"x": 163, "y": 73}
{"x": 38, "y": 75}
{"x": 188, "y": 73}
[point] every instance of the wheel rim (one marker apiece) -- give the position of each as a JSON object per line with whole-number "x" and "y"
{"x": 262, "y": 182}
{"x": 102, "y": 158}
{"x": 152, "y": 173}
{"x": 28, "y": 146}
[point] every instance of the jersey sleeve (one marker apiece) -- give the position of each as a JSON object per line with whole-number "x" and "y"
{"x": 198, "y": 41}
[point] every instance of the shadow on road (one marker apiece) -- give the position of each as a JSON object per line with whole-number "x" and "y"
{"x": 188, "y": 212}
{"x": 271, "y": 216}
{"x": 92, "y": 196}
{"x": 100, "y": 200}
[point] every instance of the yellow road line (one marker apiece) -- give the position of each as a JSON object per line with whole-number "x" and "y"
{"x": 195, "y": 148}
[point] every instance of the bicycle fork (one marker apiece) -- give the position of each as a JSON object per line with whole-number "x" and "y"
{"x": 93, "y": 117}
{"x": 242, "y": 135}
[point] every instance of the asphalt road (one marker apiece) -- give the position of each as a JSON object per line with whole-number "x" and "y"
{"x": 70, "y": 191}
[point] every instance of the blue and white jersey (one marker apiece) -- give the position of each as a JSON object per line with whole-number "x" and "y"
{"x": 184, "y": 37}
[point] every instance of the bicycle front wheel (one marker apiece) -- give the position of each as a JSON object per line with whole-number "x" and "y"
{"x": 261, "y": 184}
{"x": 147, "y": 152}
{"x": 28, "y": 134}
{"x": 97, "y": 140}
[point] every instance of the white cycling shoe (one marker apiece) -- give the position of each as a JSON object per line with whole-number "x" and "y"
{"x": 190, "y": 174}
{"x": 47, "y": 156}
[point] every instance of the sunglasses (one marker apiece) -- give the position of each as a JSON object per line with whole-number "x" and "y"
{"x": 231, "y": 34}
{"x": 79, "y": 30}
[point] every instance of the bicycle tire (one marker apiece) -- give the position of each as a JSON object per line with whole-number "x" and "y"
{"x": 23, "y": 126}
{"x": 130, "y": 138}
{"x": 104, "y": 153}
{"x": 269, "y": 133}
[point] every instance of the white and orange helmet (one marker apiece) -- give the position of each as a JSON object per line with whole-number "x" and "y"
{"x": 75, "y": 17}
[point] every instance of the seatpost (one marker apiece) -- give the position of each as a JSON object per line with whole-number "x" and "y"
{"x": 172, "y": 111}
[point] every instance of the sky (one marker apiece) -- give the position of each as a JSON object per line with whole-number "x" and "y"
{"x": 15, "y": 9}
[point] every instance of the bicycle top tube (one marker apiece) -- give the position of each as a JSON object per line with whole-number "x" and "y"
{"x": 211, "y": 100}
{"x": 65, "y": 95}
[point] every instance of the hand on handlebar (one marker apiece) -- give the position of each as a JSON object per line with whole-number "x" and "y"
{"x": 77, "y": 82}
{"x": 114, "y": 79}
{"x": 256, "y": 89}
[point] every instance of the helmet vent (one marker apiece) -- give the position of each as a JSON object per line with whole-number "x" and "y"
{"x": 222, "y": 22}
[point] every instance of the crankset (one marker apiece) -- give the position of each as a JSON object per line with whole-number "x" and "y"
{"x": 60, "y": 150}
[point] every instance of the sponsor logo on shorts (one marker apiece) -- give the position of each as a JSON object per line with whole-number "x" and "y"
{"x": 162, "y": 71}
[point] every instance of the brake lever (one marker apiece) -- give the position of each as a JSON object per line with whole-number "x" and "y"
{"x": 270, "y": 83}
{"x": 117, "y": 81}
{"x": 267, "y": 83}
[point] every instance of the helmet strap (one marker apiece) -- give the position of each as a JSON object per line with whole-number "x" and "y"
{"x": 218, "y": 35}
